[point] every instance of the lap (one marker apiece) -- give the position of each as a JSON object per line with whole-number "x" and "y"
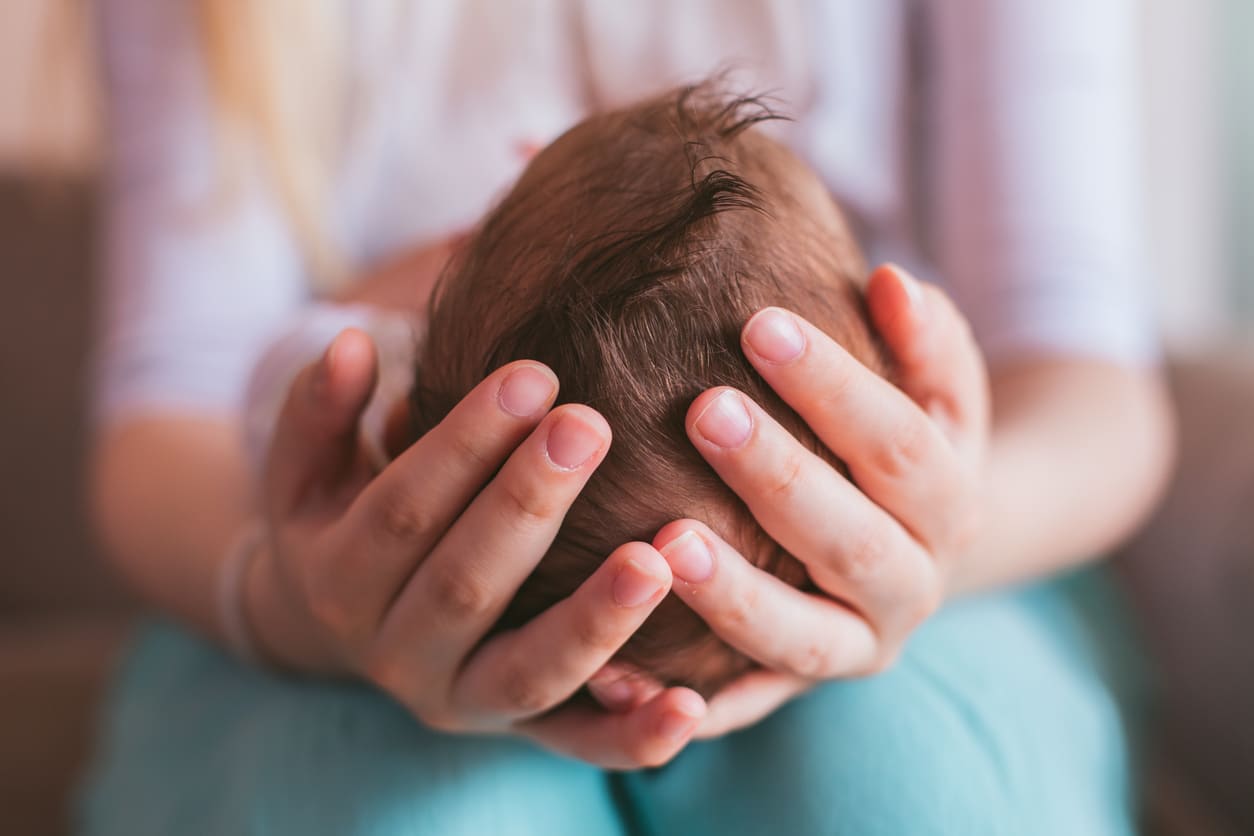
{"x": 1004, "y": 715}
{"x": 195, "y": 743}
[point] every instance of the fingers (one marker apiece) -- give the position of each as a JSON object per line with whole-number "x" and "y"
{"x": 896, "y": 454}
{"x": 646, "y": 736}
{"x": 748, "y": 700}
{"x": 315, "y": 439}
{"x": 401, "y": 515}
{"x": 852, "y": 549}
{"x": 780, "y": 627}
{"x": 468, "y": 579}
{"x": 621, "y": 687}
{"x": 534, "y": 668}
{"x": 938, "y": 362}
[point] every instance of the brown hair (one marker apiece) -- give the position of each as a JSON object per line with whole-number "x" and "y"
{"x": 627, "y": 258}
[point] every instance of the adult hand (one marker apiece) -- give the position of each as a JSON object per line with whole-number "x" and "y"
{"x": 880, "y": 544}
{"x": 399, "y": 577}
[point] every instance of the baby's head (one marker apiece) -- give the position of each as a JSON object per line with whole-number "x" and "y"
{"x": 628, "y": 258}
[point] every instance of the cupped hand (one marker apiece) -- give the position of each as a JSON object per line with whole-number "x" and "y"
{"x": 880, "y": 545}
{"x": 398, "y": 577}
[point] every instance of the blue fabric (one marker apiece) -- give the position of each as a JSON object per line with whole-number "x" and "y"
{"x": 1006, "y": 714}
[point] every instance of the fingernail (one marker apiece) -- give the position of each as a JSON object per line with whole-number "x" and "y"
{"x": 689, "y": 557}
{"x": 914, "y": 293}
{"x": 525, "y": 392}
{"x": 774, "y": 335}
{"x": 634, "y": 585}
{"x": 675, "y": 726}
{"x": 571, "y": 442}
{"x": 725, "y": 421}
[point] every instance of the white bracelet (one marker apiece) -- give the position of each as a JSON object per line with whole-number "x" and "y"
{"x": 231, "y": 574}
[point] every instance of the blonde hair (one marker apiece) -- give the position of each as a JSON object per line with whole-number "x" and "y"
{"x": 275, "y": 73}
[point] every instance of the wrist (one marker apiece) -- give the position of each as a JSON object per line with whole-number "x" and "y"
{"x": 232, "y": 574}
{"x": 282, "y": 638}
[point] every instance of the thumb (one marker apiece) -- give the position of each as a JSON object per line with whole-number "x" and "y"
{"x": 938, "y": 362}
{"x": 315, "y": 440}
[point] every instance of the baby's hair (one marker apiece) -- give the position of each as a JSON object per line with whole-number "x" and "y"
{"x": 628, "y": 258}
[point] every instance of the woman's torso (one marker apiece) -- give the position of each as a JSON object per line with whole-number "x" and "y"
{"x": 448, "y": 99}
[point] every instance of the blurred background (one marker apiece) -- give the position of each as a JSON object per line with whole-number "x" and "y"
{"x": 62, "y": 617}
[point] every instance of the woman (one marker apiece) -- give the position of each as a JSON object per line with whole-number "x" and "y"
{"x": 987, "y": 145}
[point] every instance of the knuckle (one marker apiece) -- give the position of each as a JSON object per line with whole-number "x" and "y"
{"x": 530, "y": 503}
{"x": 740, "y": 607}
{"x": 865, "y": 554}
{"x": 523, "y": 692}
{"x": 814, "y": 660}
{"x": 905, "y": 449}
{"x": 592, "y": 632}
{"x": 839, "y": 387}
{"x": 459, "y": 596}
{"x": 839, "y": 380}
{"x": 467, "y": 447}
{"x": 403, "y": 519}
{"x": 785, "y": 479}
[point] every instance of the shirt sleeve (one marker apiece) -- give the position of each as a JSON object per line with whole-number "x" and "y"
{"x": 1030, "y": 164}
{"x": 199, "y": 269}
{"x": 397, "y": 337}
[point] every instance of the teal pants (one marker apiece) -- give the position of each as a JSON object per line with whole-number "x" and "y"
{"x": 1007, "y": 714}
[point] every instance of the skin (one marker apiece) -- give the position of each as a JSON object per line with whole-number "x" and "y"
{"x": 170, "y": 483}
{"x": 954, "y": 498}
{"x": 963, "y": 481}
{"x": 958, "y": 483}
{"x": 397, "y": 579}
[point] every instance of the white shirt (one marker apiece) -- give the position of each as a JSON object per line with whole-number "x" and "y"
{"x": 987, "y": 145}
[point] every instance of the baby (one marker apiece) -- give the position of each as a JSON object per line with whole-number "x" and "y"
{"x": 627, "y": 258}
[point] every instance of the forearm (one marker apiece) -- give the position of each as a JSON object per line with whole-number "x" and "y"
{"x": 171, "y": 493}
{"x": 169, "y": 496}
{"x": 1079, "y": 454}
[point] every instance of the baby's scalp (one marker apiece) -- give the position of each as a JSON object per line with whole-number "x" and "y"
{"x": 627, "y": 258}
